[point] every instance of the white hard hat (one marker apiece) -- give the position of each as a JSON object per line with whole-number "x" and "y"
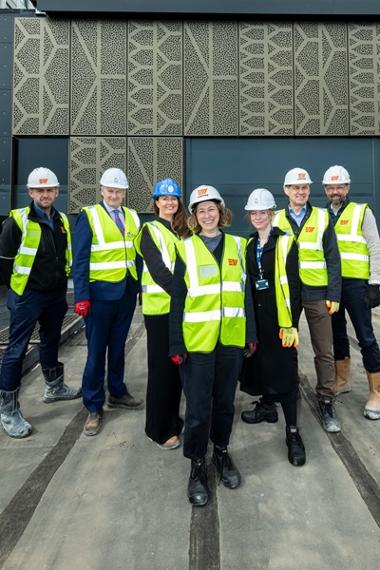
{"x": 204, "y": 193}
{"x": 42, "y": 177}
{"x": 297, "y": 176}
{"x": 260, "y": 199}
{"x": 336, "y": 175}
{"x": 114, "y": 178}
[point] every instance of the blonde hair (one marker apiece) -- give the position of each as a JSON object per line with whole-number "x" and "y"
{"x": 225, "y": 218}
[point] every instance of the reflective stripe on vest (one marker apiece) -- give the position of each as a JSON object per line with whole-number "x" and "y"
{"x": 312, "y": 263}
{"x": 155, "y": 300}
{"x": 214, "y": 306}
{"x": 112, "y": 255}
{"x": 30, "y": 240}
{"x": 352, "y": 244}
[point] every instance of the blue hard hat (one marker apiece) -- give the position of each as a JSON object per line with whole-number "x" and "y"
{"x": 166, "y": 187}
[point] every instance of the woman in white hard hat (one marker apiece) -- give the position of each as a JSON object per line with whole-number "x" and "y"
{"x": 272, "y": 268}
{"x": 208, "y": 332}
{"x": 156, "y": 243}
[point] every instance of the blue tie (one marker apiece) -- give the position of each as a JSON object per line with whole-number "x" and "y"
{"x": 118, "y": 221}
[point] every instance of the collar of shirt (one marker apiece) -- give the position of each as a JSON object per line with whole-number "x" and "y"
{"x": 297, "y": 217}
{"x": 110, "y": 209}
{"x": 42, "y": 215}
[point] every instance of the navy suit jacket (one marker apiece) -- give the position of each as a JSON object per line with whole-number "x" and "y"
{"x": 96, "y": 290}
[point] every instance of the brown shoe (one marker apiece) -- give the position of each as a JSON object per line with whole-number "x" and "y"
{"x": 93, "y": 423}
{"x": 127, "y": 401}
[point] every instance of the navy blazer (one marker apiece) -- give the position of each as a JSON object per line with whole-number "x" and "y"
{"x": 96, "y": 290}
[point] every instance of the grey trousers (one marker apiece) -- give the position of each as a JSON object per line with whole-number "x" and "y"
{"x": 321, "y": 335}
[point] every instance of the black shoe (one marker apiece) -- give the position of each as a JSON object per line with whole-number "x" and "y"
{"x": 229, "y": 474}
{"x": 330, "y": 422}
{"x": 296, "y": 448}
{"x": 197, "y": 490}
{"x": 260, "y": 413}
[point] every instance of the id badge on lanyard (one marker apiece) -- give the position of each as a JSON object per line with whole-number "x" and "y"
{"x": 261, "y": 283}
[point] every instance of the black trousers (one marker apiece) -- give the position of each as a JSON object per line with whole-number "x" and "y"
{"x": 209, "y": 384}
{"x": 288, "y": 403}
{"x": 163, "y": 393}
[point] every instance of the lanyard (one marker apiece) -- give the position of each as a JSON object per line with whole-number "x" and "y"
{"x": 259, "y": 252}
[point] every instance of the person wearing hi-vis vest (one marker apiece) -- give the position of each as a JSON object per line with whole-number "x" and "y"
{"x": 156, "y": 244}
{"x": 211, "y": 322}
{"x": 359, "y": 246}
{"x": 35, "y": 260}
{"x": 319, "y": 266}
{"x": 106, "y": 285}
{"x": 272, "y": 267}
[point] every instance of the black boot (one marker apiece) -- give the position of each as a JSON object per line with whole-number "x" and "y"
{"x": 197, "y": 490}
{"x": 229, "y": 474}
{"x": 260, "y": 413}
{"x": 296, "y": 448}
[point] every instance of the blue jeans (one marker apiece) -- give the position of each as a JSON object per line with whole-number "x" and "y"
{"x": 354, "y": 296}
{"x": 48, "y": 308}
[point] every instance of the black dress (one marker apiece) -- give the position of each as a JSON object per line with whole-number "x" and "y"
{"x": 272, "y": 369}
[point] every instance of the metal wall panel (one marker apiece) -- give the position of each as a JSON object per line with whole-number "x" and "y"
{"x": 41, "y": 77}
{"x": 154, "y": 78}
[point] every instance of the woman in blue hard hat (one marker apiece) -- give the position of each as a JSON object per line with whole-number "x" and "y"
{"x": 156, "y": 243}
{"x": 272, "y": 267}
{"x": 210, "y": 325}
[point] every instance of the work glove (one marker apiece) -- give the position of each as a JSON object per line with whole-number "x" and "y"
{"x": 178, "y": 359}
{"x": 250, "y": 349}
{"x": 82, "y": 308}
{"x": 332, "y": 307}
{"x": 289, "y": 337}
{"x": 373, "y": 298}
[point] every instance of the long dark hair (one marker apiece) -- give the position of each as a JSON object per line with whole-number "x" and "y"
{"x": 178, "y": 223}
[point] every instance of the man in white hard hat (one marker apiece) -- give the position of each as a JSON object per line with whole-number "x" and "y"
{"x": 35, "y": 259}
{"x": 106, "y": 285}
{"x": 359, "y": 246}
{"x": 319, "y": 264}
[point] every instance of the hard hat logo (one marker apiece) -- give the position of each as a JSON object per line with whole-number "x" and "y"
{"x": 202, "y": 191}
{"x": 301, "y": 175}
{"x": 43, "y": 180}
{"x": 334, "y": 178}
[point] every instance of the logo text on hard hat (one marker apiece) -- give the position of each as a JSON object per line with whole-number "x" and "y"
{"x": 202, "y": 191}
{"x": 301, "y": 175}
{"x": 43, "y": 181}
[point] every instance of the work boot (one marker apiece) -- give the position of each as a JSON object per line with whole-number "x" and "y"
{"x": 296, "y": 448}
{"x": 342, "y": 370}
{"x": 261, "y": 413}
{"x": 197, "y": 489}
{"x": 329, "y": 419}
{"x": 55, "y": 388}
{"x": 126, "y": 401}
{"x": 228, "y": 472}
{"x": 93, "y": 423}
{"x": 12, "y": 420}
{"x": 372, "y": 407}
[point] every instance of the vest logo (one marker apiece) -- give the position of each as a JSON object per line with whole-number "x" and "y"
{"x": 232, "y": 261}
{"x": 202, "y": 191}
{"x": 43, "y": 180}
{"x": 309, "y": 229}
{"x": 343, "y": 222}
{"x": 301, "y": 175}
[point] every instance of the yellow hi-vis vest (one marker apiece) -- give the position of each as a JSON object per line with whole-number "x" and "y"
{"x": 312, "y": 262}
{"x": 30, "y": 240}
{"x": 155, "y": 300}
{"x": 352, "y": 244}
{"x": 112, "y": 254}
{"x": 214, "y": 305}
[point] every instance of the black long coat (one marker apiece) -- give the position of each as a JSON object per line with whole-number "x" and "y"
{"x": 272, "y": 369}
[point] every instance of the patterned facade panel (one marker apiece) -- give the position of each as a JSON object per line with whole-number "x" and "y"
{"x": 41, "y": 77}
{"x": 321, "y": 79}
{"x": 98, "y": 77}
{"x": 211, "y": 78}
{"x": 266, "y": 79}
{"x": 149, "y": 160}
{"x": 89, "y": 157}
{"x": 154, "y": 78}
{"x": 364, "y": 59}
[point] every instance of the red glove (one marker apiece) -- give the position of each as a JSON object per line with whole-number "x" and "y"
{"x": 250, "y": 349}
{"x": 178, "y": 359}
{"x": 82, "y": 308}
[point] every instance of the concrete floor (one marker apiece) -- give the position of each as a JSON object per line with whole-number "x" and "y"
{"x": 116, "y": 501}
